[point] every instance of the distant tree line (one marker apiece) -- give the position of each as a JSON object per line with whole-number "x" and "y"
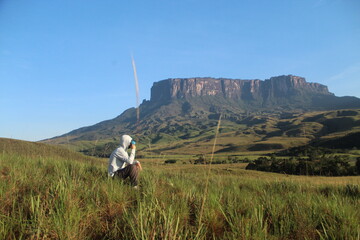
{"x": 202, "y": 159}
{"x": 307, "y": 151}
{"x": 101, "y": 151}
{"x": 323, "y": 165}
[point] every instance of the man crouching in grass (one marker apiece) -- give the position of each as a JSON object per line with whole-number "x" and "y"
{"x": 121, "y": 165}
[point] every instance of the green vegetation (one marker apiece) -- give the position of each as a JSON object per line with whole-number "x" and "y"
{"x": 39, "y": 150}
{"x": 203, "y": 159}
{"x": 322, "y": 166}
{"x": 188, "y": 127}
{"x": 309, "y": 160}
{"x": 55, "y": 197}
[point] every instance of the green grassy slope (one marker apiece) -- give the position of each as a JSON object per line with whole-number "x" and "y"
{"x": 172, "y": 131}
{"x": 257, "y": 133}
{"x": 51, "y": 196}
{"x": 39, "y": 150}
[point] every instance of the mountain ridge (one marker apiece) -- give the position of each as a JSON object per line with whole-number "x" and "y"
{"x": 186, "y": 108}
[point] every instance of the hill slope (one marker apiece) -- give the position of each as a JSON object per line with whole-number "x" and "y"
{"x": 51, "y": 198}
{"x": 254, "y": 113}
{"x": 39, "y": 150}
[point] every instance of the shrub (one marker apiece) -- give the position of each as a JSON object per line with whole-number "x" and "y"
{"x": 170, "y": 161}
{"x": 324, "y": 165}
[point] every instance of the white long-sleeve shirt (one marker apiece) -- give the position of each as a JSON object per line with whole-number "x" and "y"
{"x": 119, "y": 157}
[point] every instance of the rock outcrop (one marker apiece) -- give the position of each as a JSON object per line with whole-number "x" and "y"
{"x": 236, "y": 89}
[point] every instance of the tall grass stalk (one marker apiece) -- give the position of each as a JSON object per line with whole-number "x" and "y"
{"x": 208, "y": 172}
{"x": 136, "y": 89}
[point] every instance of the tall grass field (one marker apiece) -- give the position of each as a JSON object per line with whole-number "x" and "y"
{"x": 56, "y": 194}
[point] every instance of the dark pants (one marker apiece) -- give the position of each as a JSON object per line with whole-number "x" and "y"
{"x": 129, "y": 171}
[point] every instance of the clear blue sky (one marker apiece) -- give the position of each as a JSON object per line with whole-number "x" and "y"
{"x": 66, "y": 64}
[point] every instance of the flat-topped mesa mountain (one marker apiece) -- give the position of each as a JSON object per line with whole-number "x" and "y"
{"x": 275, "y": 87}
{"x": 277, "y": 93}
{"x": 181, "y": 108}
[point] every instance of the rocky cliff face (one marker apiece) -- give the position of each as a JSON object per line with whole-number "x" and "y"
{"x": 275, "y": 87}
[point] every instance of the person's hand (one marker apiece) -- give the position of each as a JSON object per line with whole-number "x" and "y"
{"x": 132, "y": 146}
{"x": 138, "y": 165}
